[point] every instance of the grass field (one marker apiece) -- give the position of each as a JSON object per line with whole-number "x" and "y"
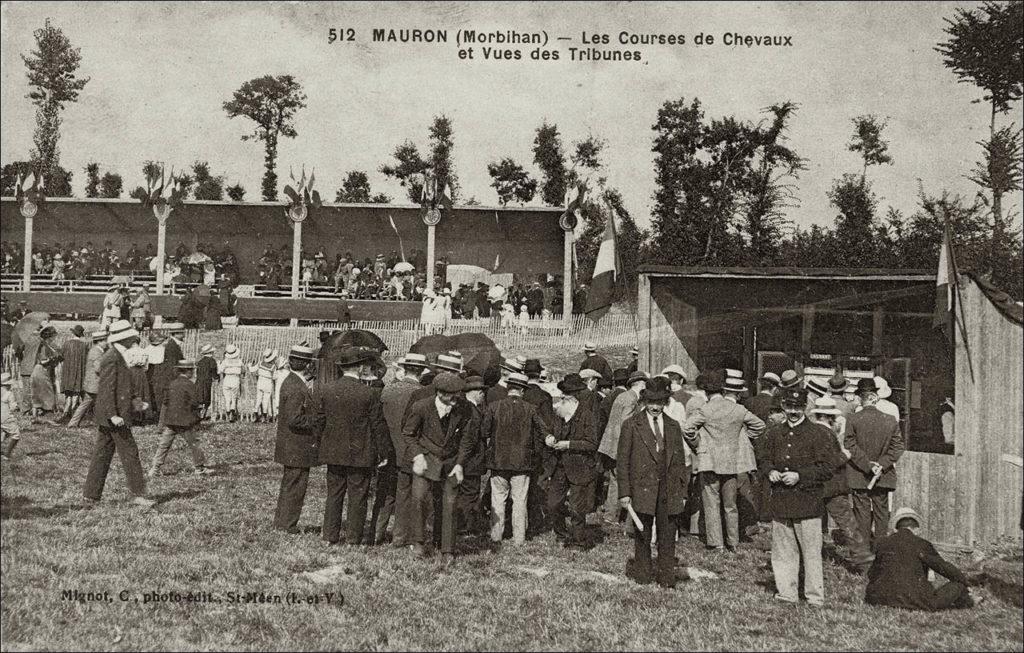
{"x": 212, "y": 535}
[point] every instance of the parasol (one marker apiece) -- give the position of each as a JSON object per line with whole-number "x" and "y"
{"x": 432, "y": 344}
{"x": 479, "y": 351}
{"x": 152, "y": 264}
{"x": 356, "y": 338}
{"x": 28, "y": 326}
{"x": 198, "y": 258}
{"x": 404, "y": 266}
{"x": 496, "y": 292}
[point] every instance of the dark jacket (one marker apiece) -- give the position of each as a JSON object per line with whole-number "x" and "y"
{"x": 541, "y": 400}
{"x": 514, "y": 433}
{"x": 836, "y": 485}
{"x": 476, "y": 463}
{"x": 803, "y": 449}
{"x": 760, "y": 404}
{"x": 598, "y": 363}
{"x": 395, "y": 401}
{"x": 163, "y": 373}
{"x": 115, "y": 389}
{"x": 899, "y": 575}
{"x": 579, "y": 461}
{"x": 206, "y": 372}
{"x": 495, "y": 393}
{"x": 355, "y": 433}
{"x": 449, "y": 440}
{"x": 296, "y": 446}
{"x": 639, "y": 470}
{"x": 181, "y": 404}
{"x": 871, "y": 435}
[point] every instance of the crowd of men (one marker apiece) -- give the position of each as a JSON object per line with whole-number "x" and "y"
{"x": 445, "y": 453}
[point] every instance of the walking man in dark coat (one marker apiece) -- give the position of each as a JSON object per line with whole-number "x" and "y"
{"x": 298, "y": 439}
{"x": 113, "y": 416}
{"x": 537, "y": 496}
{"x": 180, "y": 414}
{"x": 393, "y": 493}
{"x": 439, "y": 436}
{"x": 899, "y": 575}
{"x": 355, "y": 440}
{"x": 573, "y": 444}
{"x": 653, "y": 476}
{"x": 797, "y": 460}
{"x": 206, "y": 372}
{"x": 875, "y": 443}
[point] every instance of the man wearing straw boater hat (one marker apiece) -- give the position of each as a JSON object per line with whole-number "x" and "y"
{"x": 875, "y": 443}
{"x": 297, "y": 446}
{"x": 634, "y": 360}
{"x": 797, "y": 459}
{"x": 114, "y": 420}
{"x": 595, "y": 361}
{"x": 264, "y": 371}
{"x": 91, "y": 378}
{"x": 393, "y": 494}
{"x": 231, "y": 369}
{"x": 355, "y": 440}
{"x": 652, "y": 476}
{"x": 180, "y": 414}
{"x": 206, "y": 372}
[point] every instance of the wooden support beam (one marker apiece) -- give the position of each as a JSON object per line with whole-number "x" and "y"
{"x": 877, "y": 330}
{"x": 807, "y": 328}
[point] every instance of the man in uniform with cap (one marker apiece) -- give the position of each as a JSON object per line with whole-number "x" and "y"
{"x": 297, "y": 447}
{"x": 898, "y": 578}
{"x": 355, "y": 440}
{"x": 725, "y": 430}
{"x": 624, "y": 407}
{"x": 394, "y": 481}
{"x": 653, "y": 477}
{"x": 573, "y": 443}
{"x": 180, "y": 414}
{"x": 439, "y": 434}
{"x": 797, "y": 460}
{"x": 875, "y": 443}
{"x": 114, "y": 419}
{"x": 90, "y": 378}
{"x": 595, "y": 361}
{"x": 515, "y": 434}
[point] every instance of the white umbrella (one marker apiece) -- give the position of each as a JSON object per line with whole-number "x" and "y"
{"x": 404, "y": 266}
{"x": 496, "y": 292}
{"x": 152, "y": 264}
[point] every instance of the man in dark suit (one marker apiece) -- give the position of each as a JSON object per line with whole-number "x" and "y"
{"x": 180, "y": 414}
{"x": 113, "y": 416}
{"x": 653, "y": 476}
{"x": 573, "y": 444}
{"x": 899, "y": 575}
{"x": 355, "y": 440}
{"x": 536, "y": 501}
{"x": 439, "y": 437}
{"x": 634, "y": 360}
{"x": 535, "y": 300}
{"x": 875, "y": 443}
{"x": 470, "y": 508}
{"x": 298, "y": 439}
{"x": 394, "y": 480}
{"x": 595, "y": 361}
{"x": 761, "y": 403}
{"x": 165, "y": 372}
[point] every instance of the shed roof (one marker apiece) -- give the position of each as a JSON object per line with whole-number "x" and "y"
{"x": 853, "y": 274}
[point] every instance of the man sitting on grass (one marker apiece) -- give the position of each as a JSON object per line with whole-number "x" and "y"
{"x": 899, "y": 576}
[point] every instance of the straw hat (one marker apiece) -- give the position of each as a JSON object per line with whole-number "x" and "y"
{"x": 207, "y": 350}
{"x": 418, "y": 361}
{"x": 884, "y": 391}
{"x": 589, "y": 346}
{"x": 589, "y": 374}
{"x": 771, "y": 378}
{"x": 97, "y": 336}
{"x": 675, "y": 369}
{"x": 789, "y": 379}
{"x": 121, "y": 330}
{"x": 269, "y": 356}
{"x": 231, "y": 351}
{"x": 301, "y": 351}
{"x": 452, "y": 361}
{"x": 518, "y": 380}
{"x": 825, "y": 406}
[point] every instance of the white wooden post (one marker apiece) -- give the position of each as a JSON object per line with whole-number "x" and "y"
{"x": 567, "y": 279}
{"x": 296, "y": 214}
{"x": 431, "y": 218}
{"x": 161, "y": 213}
{"x": 26, "y": 266}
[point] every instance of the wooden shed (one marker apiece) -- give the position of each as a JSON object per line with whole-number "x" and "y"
{"x": 866, "y": 322}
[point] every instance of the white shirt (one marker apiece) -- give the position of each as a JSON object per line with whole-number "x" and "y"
{"x": 442, "y": 408}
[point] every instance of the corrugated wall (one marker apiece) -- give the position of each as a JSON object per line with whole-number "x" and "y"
{"x": 989, "y": 419}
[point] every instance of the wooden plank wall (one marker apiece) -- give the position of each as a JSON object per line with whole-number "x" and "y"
{"x": 989, "y": 419}
{"x": 927, "y": 483}
{"x": 665, "y": 321}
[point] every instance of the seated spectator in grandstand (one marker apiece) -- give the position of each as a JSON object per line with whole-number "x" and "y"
{"x": 181, "y": 251}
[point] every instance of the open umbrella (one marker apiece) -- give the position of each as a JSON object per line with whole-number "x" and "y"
{"x": 329, "y": 355}
{"x": 152, "y": 264}
{"x": 432, "y": 344}
{"x": 28, "y": 325}
{"x": 356, "y": 338}
{"x": 404, "y": 266}
{"x": 497, "y": 292}
{"x": 198, "y": 258}
{"x": 478, "y": 351}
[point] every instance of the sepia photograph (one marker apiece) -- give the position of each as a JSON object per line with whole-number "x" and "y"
{"x": 524, "y": 326}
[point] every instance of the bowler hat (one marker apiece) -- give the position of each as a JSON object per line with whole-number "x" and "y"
{"x": 572, "y": 384}
{"x": 620, "y": 376}
{"x": 351, "y": 356}
{"x": 474, "y": 383}
{"x": 794, "y": 397}
{"x": 866, "y": 385}
{"x": 838, "y": 382}
{"x": 449, "y": 382}
{"x": 657, "y": 391}
{"x": 636, "y": 376}
{"x": 533, "y": 367}
{"x": 78, "y": 330}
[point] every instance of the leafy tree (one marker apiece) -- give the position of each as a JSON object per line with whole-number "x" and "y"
{"x": 355, "y": 188}
{"x": 511, "y": 181}
{"x": 380, "y": 198}
{"x": 408, "y": 163}
{"x": 51, "y": 74}
{"x": 985, "y": 48}
{"x": 235, "y": 193}
{"x": 59, "y": 184}
{"x": 11, "y": 173}
{"x": 271, "y": 102}
{"x": 110, "y": 185}
{"x": 867, "y": 140}
{"x": 549, "y": 157}
{"x": 139, "y": 193}
{"x": 442, "y": 142}
{"x": 151, "y": 169}
{"x": 208, "y": 186}
{"x": 999, "y": 171}
{"x": 92, "y": 180}
{"x": 185, "y": 182}
{"x": 856, "y": 224}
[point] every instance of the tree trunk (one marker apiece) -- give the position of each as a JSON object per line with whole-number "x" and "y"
{"x": 997, "y": 197}
{"x": 270, "y": 177}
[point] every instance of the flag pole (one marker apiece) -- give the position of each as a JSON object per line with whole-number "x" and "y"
{"x": 961, "y": 323}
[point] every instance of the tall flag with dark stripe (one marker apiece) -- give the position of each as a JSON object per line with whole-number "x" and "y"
{"x": 607, "y": 271}
{"x": 947, "y": 297}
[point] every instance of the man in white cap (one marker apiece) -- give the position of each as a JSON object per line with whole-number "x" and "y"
{"x": 91, "y": 378}
{"x": 595, "y": 361}
{"x": 114, "y": 419}
{"x": 297, "y": 446}
{"x": 231, "y": 369}
{"x": 899, "y": 576}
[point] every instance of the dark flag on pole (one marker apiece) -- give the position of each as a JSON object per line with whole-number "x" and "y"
{"x": 607, "y": 272}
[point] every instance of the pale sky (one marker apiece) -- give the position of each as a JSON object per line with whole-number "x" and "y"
{"x": 160, "y": 72}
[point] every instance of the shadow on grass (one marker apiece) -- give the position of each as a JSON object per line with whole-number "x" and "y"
{"x": 164, "y": 497}
{"x": 20, "y": 507}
